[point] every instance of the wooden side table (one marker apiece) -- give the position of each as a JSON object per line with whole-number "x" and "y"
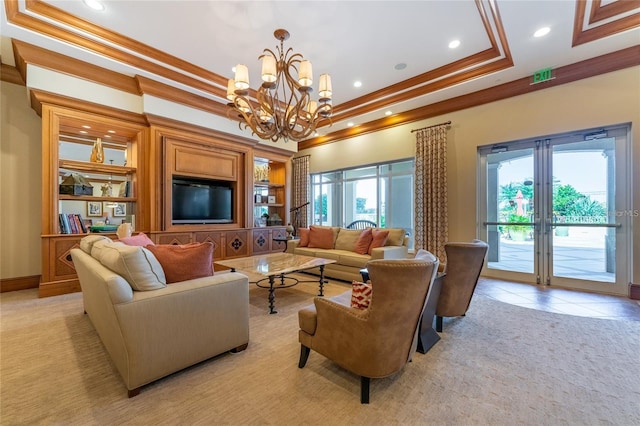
{"x": 284, "y": 240}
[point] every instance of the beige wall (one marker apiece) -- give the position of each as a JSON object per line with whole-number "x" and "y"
{"x": 604, "y": 100}
{"x": 20, "y": 184}
{"x": 608, "y": 99}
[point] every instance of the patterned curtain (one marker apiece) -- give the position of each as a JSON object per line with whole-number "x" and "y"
{"x": 431, "y": 190}
{"x": 300, "y": 196}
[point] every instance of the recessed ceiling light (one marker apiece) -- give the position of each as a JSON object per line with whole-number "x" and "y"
{"x": 357, "y": 84}
{"x": 542, "y": 32}
{"x": 111, "y": 131}
{"x": 350, "y": 124}
{"x": 400, "y": 66}
{"x": 107, "y": 136}
{"x": 454, "y": 44}
{"x": 94, "y": 4}
{"x": 84, "y": 132}
{"x": 86, "y": 126}
{"x": 388, "y": 113}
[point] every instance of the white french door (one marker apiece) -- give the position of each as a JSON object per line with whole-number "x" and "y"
{"x": 556, "y": 210}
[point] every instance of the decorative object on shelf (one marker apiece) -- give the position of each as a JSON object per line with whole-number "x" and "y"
{"x": 75, "y": 184}
{"x": 261, "y": 172}
{"x": 94, "y": 208}
{"x": 264, "y": 219}
{"x": 284, "y": 107}
{"x": 271, "y": 199}
{"x": 106, "y": 189}
{"x": 97, "y": 153}
{"x": 274, "y": 220}
{"x": 120, "y": 209}
{"x": 289, "y": 231}
{"x": 124, "y": 189}
{"x": 258, "y": 198}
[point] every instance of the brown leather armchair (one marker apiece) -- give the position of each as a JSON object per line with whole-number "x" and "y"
{"x": 464, "y": 263}
{"x": 375, "y": 342}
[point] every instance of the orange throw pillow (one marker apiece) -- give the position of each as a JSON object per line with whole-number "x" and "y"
{"x": 303, "y": 233}
{"x": 320, "y": 237}
{"x": 361, "y": 295}
{"x": 364, "y": 241}
{"x": 379, "y": 239}
{"x": 184, "y": 262}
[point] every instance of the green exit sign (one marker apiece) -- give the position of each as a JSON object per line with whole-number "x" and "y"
{"x": 542, "y": 75}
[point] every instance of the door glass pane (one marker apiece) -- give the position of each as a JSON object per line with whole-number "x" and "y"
{"x": 510, "y": 204}
{"x": 582, "y": 196}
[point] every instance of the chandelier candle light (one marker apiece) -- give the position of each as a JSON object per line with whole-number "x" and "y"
{"x": 284, "y": 108}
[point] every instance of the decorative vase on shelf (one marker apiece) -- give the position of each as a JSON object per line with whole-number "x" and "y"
{"x": 97, "y": 153}
{"x": 290, "y": 231}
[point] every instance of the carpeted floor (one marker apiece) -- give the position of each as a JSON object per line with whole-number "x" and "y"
{"x": 499, "y": 365}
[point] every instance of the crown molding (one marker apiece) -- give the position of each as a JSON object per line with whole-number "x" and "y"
{"x": 599, "y": 13}
{"x": 11, "y": 74}
{"x": 41, "y": 97}
{"x": 26, "y": 53}
{"x": 615, "y": 61}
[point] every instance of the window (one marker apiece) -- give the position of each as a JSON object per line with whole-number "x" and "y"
{"x": 380, "y": 193}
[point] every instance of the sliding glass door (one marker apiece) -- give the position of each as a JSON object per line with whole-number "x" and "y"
{"x": 555, "y": 210}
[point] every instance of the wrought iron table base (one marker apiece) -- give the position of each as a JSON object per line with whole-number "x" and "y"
{"x": 283, "y": 284}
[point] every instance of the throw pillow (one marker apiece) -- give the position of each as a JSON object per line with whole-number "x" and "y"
{"x": 303, "y": 233}
{"x": 139, "y": 240}
{"x": 361, "y": 295}
{"x": 396, "y": 236}
{"x": 137, "y": 265}
{"x": 379, "y": 239}
{"x": 364, "y": 241}
{"x": 320, "y": 237}
{"x": 184, "y": 262}
{"x": 347, "y": 239}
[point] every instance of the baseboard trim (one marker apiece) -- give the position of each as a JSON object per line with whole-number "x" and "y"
{"x": 19, "y": 283}
{"x": 57, "y": 288}
{"x": 634, "y": 291}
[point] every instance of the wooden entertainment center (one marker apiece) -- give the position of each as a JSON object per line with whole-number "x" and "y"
{"x": 142, "y": 155}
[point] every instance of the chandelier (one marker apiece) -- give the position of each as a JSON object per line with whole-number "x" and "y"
{"x": 283, "y": 107}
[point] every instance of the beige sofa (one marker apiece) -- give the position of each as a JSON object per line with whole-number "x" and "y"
{"x": 151, "y": 334}
{"x": 349, "y": 263}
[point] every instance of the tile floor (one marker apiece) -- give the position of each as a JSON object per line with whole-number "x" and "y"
{"x": 562, "y": 301}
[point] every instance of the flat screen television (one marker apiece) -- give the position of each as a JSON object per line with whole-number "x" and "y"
{"x": 200, "y": 201}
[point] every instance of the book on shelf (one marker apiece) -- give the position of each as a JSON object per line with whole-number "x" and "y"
{"x": 72, "y": 223}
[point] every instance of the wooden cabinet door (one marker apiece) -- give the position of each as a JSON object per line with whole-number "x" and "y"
{"x": 278, "y": 233}
{"x": 60, "y": 263}
{"x": 236, "y": 243}
{"x": 214, "y": 237}
{"x": 173, "y": 238}
{"x": 260, "y": 241}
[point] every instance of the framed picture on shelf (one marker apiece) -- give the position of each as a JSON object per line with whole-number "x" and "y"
{"x": 94, "y": 208}
{"x": 120, "y": 209}
{"x": 271, "y": 199}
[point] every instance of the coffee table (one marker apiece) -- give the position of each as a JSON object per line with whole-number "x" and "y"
{"x": 278, "y": 265}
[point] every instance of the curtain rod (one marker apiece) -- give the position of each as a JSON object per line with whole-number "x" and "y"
{"x": 435, "y": 125}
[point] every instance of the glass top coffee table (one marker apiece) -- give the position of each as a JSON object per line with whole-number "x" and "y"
{"x": 278, "y": 265}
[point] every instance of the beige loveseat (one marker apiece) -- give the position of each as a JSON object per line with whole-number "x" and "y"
{"x": 151, "y": 334}
{"x": 349, "y": 263}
